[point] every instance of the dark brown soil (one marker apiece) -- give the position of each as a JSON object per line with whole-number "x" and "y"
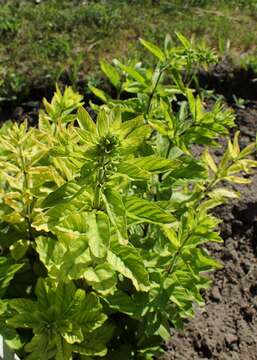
{"x": 226, "y": 329}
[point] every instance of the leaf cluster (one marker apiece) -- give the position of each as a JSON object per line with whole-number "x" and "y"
{"x": 103, "y": 223}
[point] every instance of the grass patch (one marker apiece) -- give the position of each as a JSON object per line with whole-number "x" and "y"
{"x": 62, "y": 41}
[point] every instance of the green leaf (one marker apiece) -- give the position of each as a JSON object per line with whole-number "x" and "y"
{"x": 85, "y": 121}
{"x": 98, "y": 234}
{"x": 95, "y": 342}
{"x": 99, "y": 93}
{"x": 19, "y": 249}
{"x": 127, "y": 261}
{"x": 102, "y": 123}
{"x": 7, "y": 271}
{"x": 111, "y": 73}
{"x": 63, "y": 262}
{"x": 184, "y": 41}
{"x": 146, "y": 211}
{"x": 132, "y": 72}
{"x": 116, "y": 212}
{"x": 154, "y": 164}
{"x": 191, "y": 170}
{"x": 153, "y": 49}
{"x": 61, "y": 195}
{"x": 61, "y": 318}
{"x": 172, "y": 236}
{"x": 195, "y": 106}
{"x": 122, "y": 302}
{"x": 132, "y": 171}
{"x": 208, "y": 159}
{"x": 28, "y": 315}
{"x": 102, "y": 278}
{"x": 223, "y": 192}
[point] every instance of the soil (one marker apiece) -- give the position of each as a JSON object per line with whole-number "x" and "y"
{"x": 226, "y": 328}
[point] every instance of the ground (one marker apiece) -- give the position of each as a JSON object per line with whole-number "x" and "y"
{"x": 45, "y": 41}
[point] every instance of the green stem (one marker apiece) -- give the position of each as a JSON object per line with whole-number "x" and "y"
{"x": 178, "y": 252}
{"x": 154, "y": 88}
{"x": 27, "y": 207}
{"x": 101, "y": 179}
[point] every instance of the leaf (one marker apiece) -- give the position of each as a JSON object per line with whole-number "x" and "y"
{"x": 7, "y": 271}
{"x": 132, "y": 72}
{"x": 190, "y": 170}
{"x": 201, "y": 261}
{"x": 223, "y": 192}
{"x": 195, "y": 106}
{"x": 132, "y": 171}
{"x": 153, "y": 49}
{"x": 91, "y": 317}
{"x": 27, "y": 317}
{"x": 237, "y": 179}
{"x": 208, "y": 159}
{"x": 116, "y": 212}
{"x": 102, "y": 123}
{"x": 61, "y": 195}
{"x": 102, "y": 278}
{"x": 154, "y": 164}
{"x": 98, "y": 234}
{"x": 63, "y": 262}
{"x": 95, "y": 342}
{"x": 85, "y": 121}
{"x": 248, "y": 150}
{"x": 61, "y": 318}
{"x": 127, "y": 261}
{"x": 146, "y": 211}
{"x": 172, "y": 236}
{"x": 99, "y": 93}
{"x": 111, "y": 73}
{"x": 184, "y": 41}
{"x": 19, "y": 249}
{"x": 122, "y": 302}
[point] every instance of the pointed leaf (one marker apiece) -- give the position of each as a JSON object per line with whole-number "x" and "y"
{"x": 146, "y": 211}
{"x": 111, "y": 73}
{"x": 153, "y": 49}
{"x": 85, "y": 121}
{"x": 98, "y": 234}
{"x": 127, "y": 261}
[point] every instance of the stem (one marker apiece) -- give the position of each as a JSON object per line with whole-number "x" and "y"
{"x": 101, "y": 179}
{"x": 177, "y": 253}
{"x": 202, "y": 195}
{"x": 154, "y": 88}
{"x": 27, "y": 207}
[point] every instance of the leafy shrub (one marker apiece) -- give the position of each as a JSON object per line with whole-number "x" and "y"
{"x": 104, "y": 223}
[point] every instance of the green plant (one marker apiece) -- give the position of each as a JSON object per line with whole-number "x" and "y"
{"x": 9, "y": 22}
{"x": 239, "y": 102}
{"x": 104, "y": 224}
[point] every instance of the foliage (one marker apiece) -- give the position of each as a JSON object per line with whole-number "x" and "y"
{"x": 104, "y": 223}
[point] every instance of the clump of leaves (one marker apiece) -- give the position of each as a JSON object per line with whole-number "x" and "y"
{"x": 104, "y": 223}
